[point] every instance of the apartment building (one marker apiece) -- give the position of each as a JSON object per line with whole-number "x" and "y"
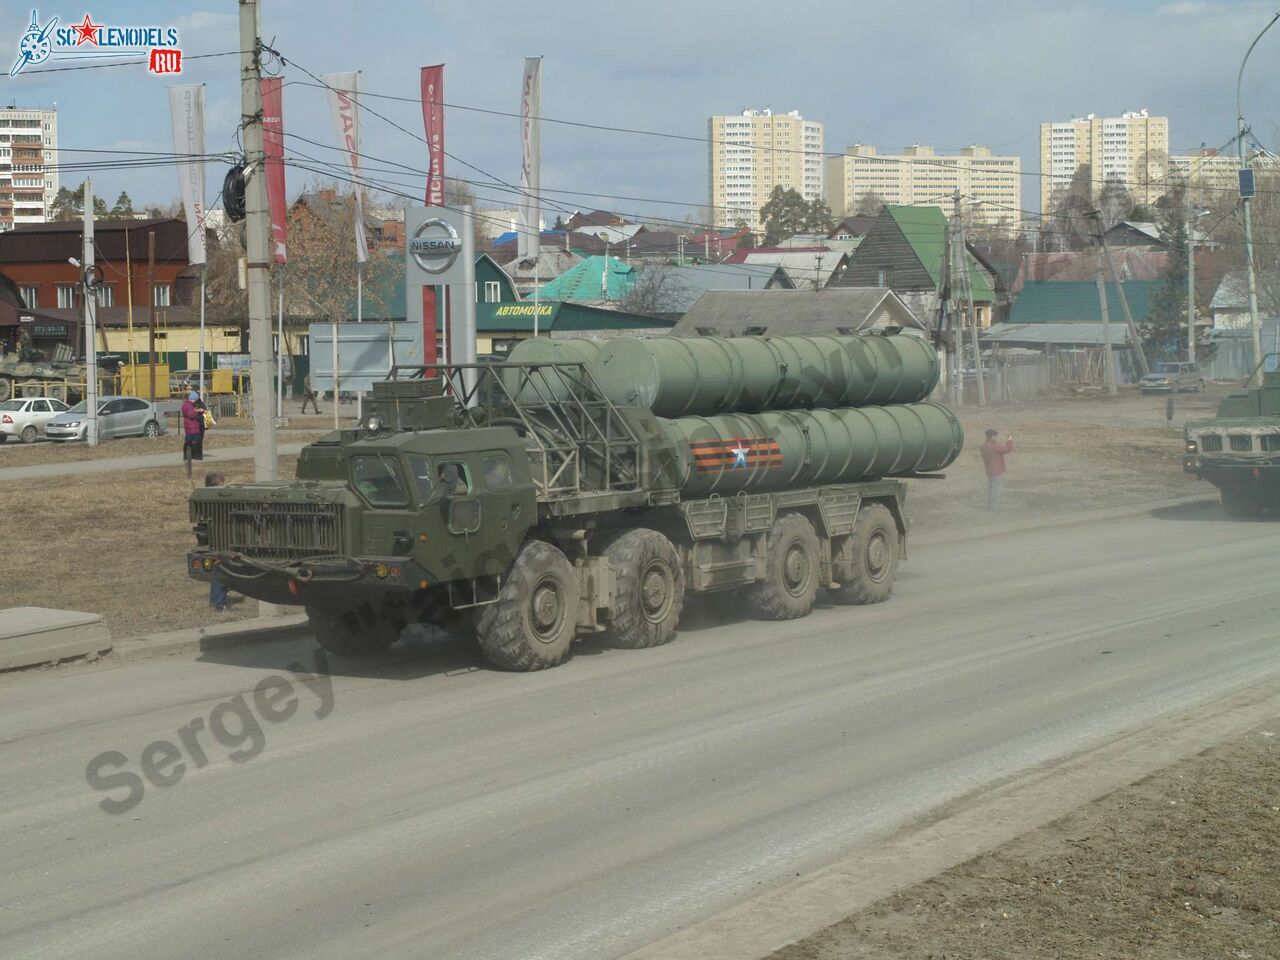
{"x": 28, "y": 170}
{"x": 1132, "y": 149}
{"x": 752, "y": 152}
{"x": 1211, "y": 176}
{"x": 919, "y": 176}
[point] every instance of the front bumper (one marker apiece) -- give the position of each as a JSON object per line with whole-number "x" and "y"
{"x": 65, "y": 433}
{"x": 305, "y": 581}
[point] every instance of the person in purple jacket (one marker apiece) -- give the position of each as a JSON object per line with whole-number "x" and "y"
{"x": 192, "y": 428}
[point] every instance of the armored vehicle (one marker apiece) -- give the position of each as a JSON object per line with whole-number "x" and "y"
{"x": 583, "y": 489}
{"x": 26, "y": 373}
{"x": 1239, "y": 450}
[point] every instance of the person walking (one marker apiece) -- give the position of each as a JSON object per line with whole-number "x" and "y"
{"x": 218, "y": 598}
{"x": 192, "y": 429}
{"x": 206, "y": 421}
{"x": 309, "y": 395}
{"x": 993, "y": 454}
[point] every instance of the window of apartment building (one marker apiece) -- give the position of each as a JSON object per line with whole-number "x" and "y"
{"x": 160, "y": 295}
{"x": 107, "y": 295}
{"x": 492, "y": 291}
{"x": 66, "y": 296}
{"x": 30, "y": 296}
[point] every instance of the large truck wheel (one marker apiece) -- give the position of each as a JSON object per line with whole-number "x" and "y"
{"x": 790, "y": 584}
{"x": 1240, "y": 504}
{"x": 532, "y": 624}
{"x": 649, "y": 590}
{"x": 872, "y": 561}
{"x": 6, "y": 389}
{"x": 352, "y": 631}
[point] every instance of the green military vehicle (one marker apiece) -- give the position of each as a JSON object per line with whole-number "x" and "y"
{"x": 1239, "y": 450}
{"x": 584, "y": 488}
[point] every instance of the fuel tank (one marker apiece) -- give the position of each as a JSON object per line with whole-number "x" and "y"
{"x": 777, "y": 450}
{"x": 682, "y": 376}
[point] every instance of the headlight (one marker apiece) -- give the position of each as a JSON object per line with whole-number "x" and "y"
{"x": 70, "y": 423}
{"x": 1191, "y": 446}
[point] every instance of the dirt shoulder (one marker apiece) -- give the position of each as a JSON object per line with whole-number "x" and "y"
{"x": 1185, "y": 863}
{"x": 1071, "y": 455}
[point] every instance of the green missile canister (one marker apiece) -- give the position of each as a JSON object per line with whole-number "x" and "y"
{"x": 548, "y": 384}
{"x": 783, "y": 449}
{"x": 683, "y": 376}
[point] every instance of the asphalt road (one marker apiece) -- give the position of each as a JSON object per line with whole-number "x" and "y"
{"x": 447, "y": 811}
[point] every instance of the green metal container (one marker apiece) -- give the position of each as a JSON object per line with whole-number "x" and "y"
{"x": 681, "y": 376}
{"x": 777, "y": 450}
{"x": 548, "y": 384}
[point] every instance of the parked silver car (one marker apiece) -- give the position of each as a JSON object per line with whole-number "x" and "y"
{"x": 25, "y": 417}
{"x": 117, "y": 417}
{"x": 1173, "y": 378}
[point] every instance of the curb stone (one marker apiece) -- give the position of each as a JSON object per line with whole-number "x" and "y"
{"x": 216, "y": 636}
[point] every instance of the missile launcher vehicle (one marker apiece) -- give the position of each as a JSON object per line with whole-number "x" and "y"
{"x": 585, "y": 488}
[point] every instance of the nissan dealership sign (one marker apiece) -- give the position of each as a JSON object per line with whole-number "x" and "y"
{"x": 434, "y": 252}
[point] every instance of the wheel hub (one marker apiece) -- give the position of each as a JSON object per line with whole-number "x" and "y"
{"x": 545, "y": 606}
{"x": 656, "y": 591}
{"x": 878, "y": 555}
{"x": 795, "y": 569}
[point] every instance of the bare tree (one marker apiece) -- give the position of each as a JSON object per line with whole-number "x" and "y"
{"x": 868, "y": 204}
{"x": 658, "y": 290}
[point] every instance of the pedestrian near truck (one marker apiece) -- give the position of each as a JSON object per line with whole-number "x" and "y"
{"x": 192, "y": 429}
{"x": 993, "y": 454}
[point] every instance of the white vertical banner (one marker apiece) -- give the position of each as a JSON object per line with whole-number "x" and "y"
{"x": 186, "y": 110}
{"x": 527, "y": 242}
{"x": 344, "y": 105}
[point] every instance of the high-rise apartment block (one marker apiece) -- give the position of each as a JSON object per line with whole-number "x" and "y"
{"x": 921, "y": 177}
{"x": 28, "y": 170}
{"x": 1131, "y": 149}
{"x": 752, "y": 152}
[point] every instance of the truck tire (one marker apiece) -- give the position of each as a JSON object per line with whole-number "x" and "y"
{"x": 874, "y": 560}
{"x": 790, "y": 584}
{"x": 352, "y": 632}
{"x": 649, "y": 593}
{"x": 6, "y": 389}
{"x": 1240, "y": 504}
{"x": 532, "y": 624}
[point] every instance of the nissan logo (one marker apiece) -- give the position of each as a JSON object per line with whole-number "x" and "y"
{"x": 435, "y": 245}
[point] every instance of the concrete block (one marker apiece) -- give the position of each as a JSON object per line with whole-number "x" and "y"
{"x": 34, "y": 635}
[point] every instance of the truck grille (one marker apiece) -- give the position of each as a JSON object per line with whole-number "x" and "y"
{"x": 1210, "y": 443}
{"x": 1241, "y": 443}
{"x": 272, "y": 531}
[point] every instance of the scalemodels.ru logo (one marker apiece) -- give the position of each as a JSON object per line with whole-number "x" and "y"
{"x": 88, "y": 40}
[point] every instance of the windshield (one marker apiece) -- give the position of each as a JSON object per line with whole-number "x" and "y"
{"x": 379, "y": 480}
{"x": 1165, "y": 368}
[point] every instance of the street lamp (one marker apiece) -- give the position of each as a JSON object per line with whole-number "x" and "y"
{"x": 1192, "y": 217}
{"x": 1245, "y": 196}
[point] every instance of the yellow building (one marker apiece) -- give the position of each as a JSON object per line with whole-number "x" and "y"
{"x": 920, "y": 177}
{"x": 1132, "y": 149}
{"x": 1211, "y": 177}
{"x": 752, "y": 152}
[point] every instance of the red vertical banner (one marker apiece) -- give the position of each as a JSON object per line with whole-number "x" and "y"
{"x": 273, "y": 147}
{"x": 433, "y": 122}
{"x": 430, "y": 348}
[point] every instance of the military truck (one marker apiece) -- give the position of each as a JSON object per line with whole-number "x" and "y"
{"x": 26, "y": 373}
{"x": 584, "y": 489}
{"x": 1239, "y": 450}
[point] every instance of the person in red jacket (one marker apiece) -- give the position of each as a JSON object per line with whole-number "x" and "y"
{"x": 993, "y": 454}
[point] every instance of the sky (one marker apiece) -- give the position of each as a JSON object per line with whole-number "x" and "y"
{"x": 944, "y": 73}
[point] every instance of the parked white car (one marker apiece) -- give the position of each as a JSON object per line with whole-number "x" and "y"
{"x": 117, "y": 417}
{"x": 25, "y": 417}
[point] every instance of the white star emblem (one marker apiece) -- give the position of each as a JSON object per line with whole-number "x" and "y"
{"x": 740, "y": 456}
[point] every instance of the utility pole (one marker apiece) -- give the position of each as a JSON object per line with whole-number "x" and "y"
{"x": 966, "y": 284}
{"x": 258, "y": 244}
{"x": 1191, "y": 288}
{"x": 1134, "y": 340}
{"x": 90, "y": 322}
{"x": 151, "y": 310}
{"x": 1108, "y": 359}
{"x": 257, "y": 227}
{"x": 947, "y": 317}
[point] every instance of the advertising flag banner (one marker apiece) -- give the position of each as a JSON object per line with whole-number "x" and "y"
{"x": 344, "y": 105}
{"x": 273, "y": 146}
{"x": 531, "y": 158}
{"x": 433, "y": 122}
{"x": 186, "y": 109}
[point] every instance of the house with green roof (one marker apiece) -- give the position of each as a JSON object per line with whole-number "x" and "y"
{"x": 1076, "y": 301}
{"x": 600, "y": 279}
{"x": 906, "y": 250}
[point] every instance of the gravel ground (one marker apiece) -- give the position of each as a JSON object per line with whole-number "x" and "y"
{"x": 1184, "y": 864}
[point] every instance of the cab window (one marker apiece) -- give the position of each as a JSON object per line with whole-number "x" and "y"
{"x": 453, "y": 478}
{"x": 378, "y": 479}
{"x": 495, "y": 468}
{"x": 420, "y": 476}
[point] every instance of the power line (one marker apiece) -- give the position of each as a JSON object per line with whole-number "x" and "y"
{"x": 125, "y": 63}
